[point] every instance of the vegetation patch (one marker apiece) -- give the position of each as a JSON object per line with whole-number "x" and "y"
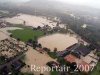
{"x": 2, "y": 60}
{"x": 96, "y": 70}
{"x": 52, "y": 55}
{"x": 53, "y": 73}
{"x": 26, "y": 33}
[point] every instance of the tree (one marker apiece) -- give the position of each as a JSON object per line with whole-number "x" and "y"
{"x": 38, "y": 27}
{"x": 41, "y": 74}
{"x": 61, "y": 60}
{"x": 24, "y": 22}
{"x": 73, "y": 66}
{"x": 34, "y": 46}
{"x": 39, "y": 45}
{"x": 46, "y": 49}
{"x": 35, "y": 38}
{"x": 2, "y": 59}
{"x": 11, "y": 35}
{"x": 18, "y": 39}
{"x": 55, "y": 50}
{"x": 30, "y": 41}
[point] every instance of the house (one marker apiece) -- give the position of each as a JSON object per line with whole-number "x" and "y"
{"x": 10, "y": 67}
{"x": 17, "y": 65}
{"x": 66, "y": 51}
{"x": 70, "y": 58}
{"x": 4, "y": 71}
{"x": 62, "y": 53}
{"x": 82, "y": 49}
{"x": 81, "y": 64}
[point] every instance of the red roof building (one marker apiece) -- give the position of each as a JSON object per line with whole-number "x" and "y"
{"x": 70, "y": 58}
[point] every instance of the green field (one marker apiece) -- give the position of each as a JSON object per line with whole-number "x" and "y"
{"x": 53, "y": 73}
{"x": 26, "y": 33}
{"x": 96, "y": 70}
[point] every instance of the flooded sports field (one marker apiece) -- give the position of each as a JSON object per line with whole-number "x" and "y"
{"x": 58, "y": 40}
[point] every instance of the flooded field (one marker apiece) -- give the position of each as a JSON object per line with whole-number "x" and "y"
{"x": 34, "y": 58}
{"x": 3, "y": 36}
{"x": 59, "y": 41}
{"x": 5, "y": 30}
{"x": 30, "y": 20}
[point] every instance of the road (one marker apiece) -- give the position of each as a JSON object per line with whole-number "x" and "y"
{"x": 14, "y": 60}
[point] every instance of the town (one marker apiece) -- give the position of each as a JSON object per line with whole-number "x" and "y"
{"x": 48, "y": 38}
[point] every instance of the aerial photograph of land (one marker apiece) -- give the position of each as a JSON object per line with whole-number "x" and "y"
{"x": 49, "y": 37}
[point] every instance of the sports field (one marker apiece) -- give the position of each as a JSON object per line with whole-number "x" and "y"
{"x": 26, "y": 33}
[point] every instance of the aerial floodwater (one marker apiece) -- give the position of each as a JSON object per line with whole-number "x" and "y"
{"x": 58, "y": 40}
{"x": 49, "y": 37}
{"x": 30, "y": 20}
